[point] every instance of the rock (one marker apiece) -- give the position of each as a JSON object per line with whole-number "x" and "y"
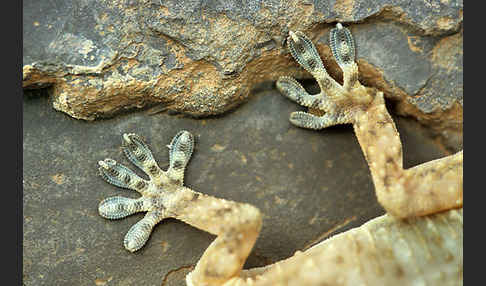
{"x": 308, "y": 185}
{"x": 204, "y": 57}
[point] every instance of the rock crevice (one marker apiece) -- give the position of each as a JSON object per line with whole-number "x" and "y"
{"x": 203, "y": 58}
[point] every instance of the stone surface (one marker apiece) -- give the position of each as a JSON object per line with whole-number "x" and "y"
{"x": 204, "y": 57}
{"x": 308, "y": 184}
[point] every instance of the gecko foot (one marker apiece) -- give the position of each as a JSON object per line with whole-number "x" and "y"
{"x": 157, "y": 193}
{"x": 339, "y": 102}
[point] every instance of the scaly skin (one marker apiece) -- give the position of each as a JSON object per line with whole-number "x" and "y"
{"x": 384, "y": 251}
{"x": 425, "y": 248}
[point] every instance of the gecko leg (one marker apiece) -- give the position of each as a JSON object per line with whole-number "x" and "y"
{"x": 437, "y": 185}
{"x": 424, "y": 189}
{"x": 236, "y": 225}
{"x": 421, "y": 190}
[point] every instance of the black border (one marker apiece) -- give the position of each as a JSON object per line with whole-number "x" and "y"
{"x": 12, "y": 23}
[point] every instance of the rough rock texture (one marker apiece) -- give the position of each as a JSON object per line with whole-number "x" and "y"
{"x": 204, "y": 57}
{"x": 308, "y": 185}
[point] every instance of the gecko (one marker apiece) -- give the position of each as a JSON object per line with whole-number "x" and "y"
{"x": 418, "y": 241}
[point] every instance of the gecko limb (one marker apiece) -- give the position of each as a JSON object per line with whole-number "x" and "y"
{"x": 418, "y": 191}
{"x": 236, "y": 225}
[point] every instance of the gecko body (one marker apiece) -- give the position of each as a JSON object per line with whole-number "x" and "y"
{"x": 418, "y": 242}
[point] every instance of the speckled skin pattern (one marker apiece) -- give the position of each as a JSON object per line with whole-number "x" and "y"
{"x": 418, "y": 242}
{"x": 384, "y": 251}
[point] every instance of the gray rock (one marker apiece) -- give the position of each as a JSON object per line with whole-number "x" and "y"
{"x": 305, "y": 182}
{"x": 204, "y": 57}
